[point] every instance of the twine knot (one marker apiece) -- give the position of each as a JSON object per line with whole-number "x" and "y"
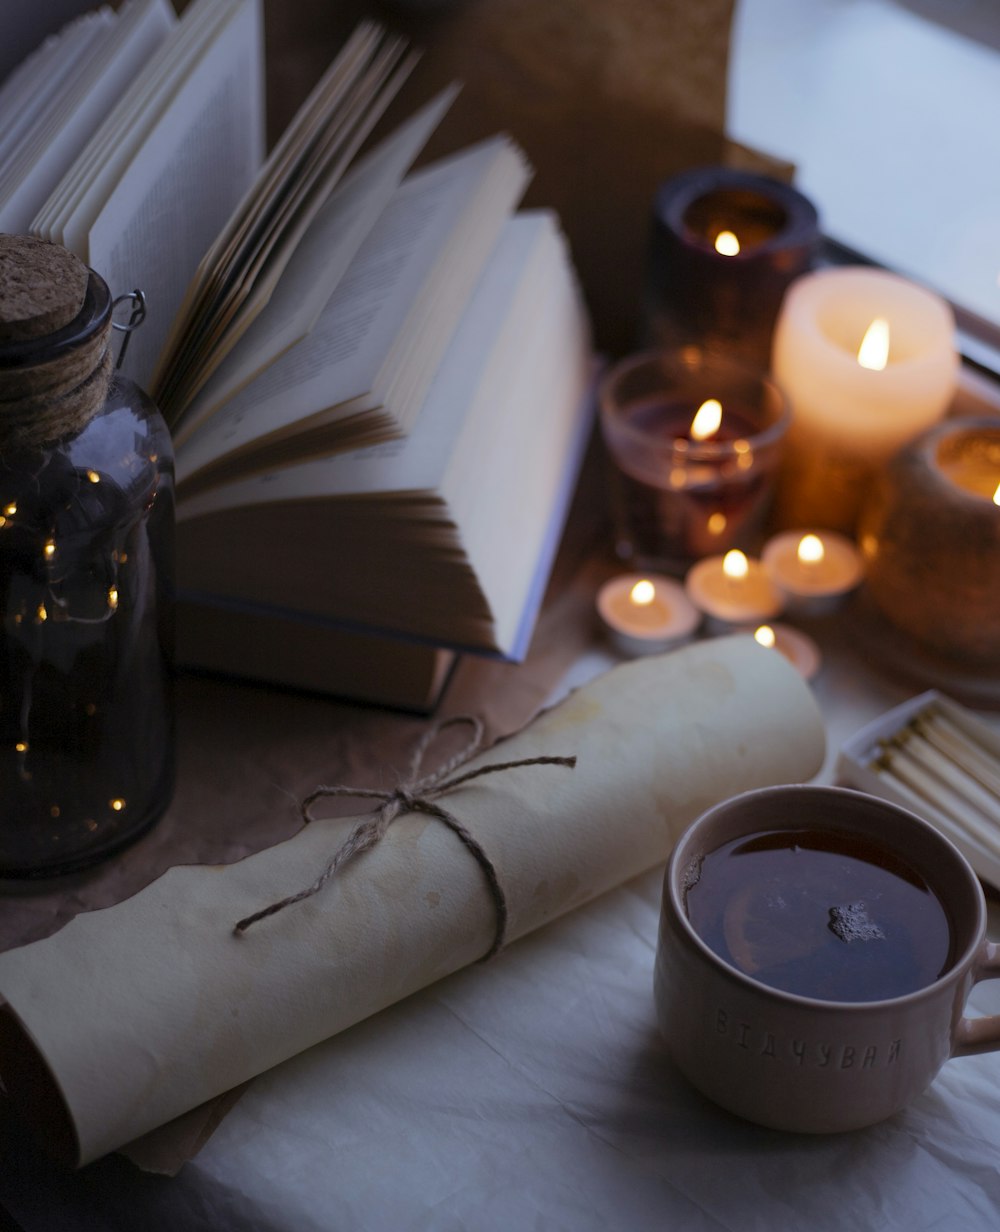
{"x": 418, "y": 794}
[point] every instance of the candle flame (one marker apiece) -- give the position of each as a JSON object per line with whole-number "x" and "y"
{"x": 643, "y": 593}
{"x": 810, "y": 550}
{"x": 735, "y": 564}
{"x": 874, "y": 350}
{"x": 765, "y": 635}
{"x": 727, "y": 244}
{"x": 707, "y": 420}
{"x": 996, "y": 495}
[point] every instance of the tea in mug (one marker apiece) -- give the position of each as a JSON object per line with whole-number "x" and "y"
{"x": 821, "y": 913}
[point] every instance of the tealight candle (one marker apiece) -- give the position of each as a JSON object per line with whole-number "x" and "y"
{"x": 732, "y": 590}
{"x": 646, "y": 614}
{"x": 798, "y": 648}
{"x": 868, "y": 362}
{"x": 814, "y": 571}
{"x": 724, "y": 246}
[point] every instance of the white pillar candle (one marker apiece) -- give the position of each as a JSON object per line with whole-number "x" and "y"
{"x": 814, "y": 570}
{"x": 646, "y": 613}
{"x": 732, "y": 591}
{"x": 851, "y": 409}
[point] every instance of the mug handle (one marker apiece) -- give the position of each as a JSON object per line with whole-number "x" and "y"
{"x": 974, "y": 1035}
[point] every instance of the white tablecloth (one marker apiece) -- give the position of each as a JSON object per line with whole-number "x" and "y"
{"x": 534, "y": 1092}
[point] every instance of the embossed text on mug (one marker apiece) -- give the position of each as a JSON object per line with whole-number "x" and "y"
{"x": 796, "y": 1051}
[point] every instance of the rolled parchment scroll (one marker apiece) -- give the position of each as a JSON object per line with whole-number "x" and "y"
{"x": 143, "y": 1010}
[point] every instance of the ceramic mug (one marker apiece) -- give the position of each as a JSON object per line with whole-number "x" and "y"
{"x": 796, "y": 1062}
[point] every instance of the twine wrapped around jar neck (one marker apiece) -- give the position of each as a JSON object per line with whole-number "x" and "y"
{"x": 55, "y": 334}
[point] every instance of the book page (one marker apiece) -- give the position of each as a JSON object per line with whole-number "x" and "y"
{"x": 126, "y": 49}
{"x": 321, "y": 258}
{"x": 70, "y": 211}
{"x": 260, "y": 264}
{"x": 18, "y": 161}
{"x": 308, "y": 160}
{"x": 183, "y": 183}
{"x": 138, "y": 19}
{"x": 38, "y": 79}
{"x": 532, "y": 446}
{"x": 417, "y": 462}
{"x": 338, "y": 363}
{"x": 219, "y": 259}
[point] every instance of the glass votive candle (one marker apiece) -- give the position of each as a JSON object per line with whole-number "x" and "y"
{"x": 696, "y": 441}
{"x": 723, "y": 248}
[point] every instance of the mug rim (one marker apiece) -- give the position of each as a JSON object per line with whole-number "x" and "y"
{"x": 680, "y": 859}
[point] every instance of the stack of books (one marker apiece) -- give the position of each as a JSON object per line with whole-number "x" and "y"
{"x": 377, "y": 379}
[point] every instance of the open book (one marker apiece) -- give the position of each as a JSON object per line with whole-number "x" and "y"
{"x": 377, "y": 357}
{"x": 361, "y": 372}
{"x": 448, "y": 533}
{"x": 136, "y": 140}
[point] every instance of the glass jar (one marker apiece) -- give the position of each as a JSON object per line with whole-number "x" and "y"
{"x": 86, "y": 579}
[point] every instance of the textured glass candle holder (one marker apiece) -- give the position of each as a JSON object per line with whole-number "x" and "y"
{"x": 676, "y": 498}
{"x": 724, "y": 246}
{"x": 930, "y": 532}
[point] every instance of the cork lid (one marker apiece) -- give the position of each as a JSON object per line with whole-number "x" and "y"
{"x": 55, "y": 333}
{"x": 42, "y": 287}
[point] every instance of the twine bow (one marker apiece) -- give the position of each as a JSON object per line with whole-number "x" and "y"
{"x": 418, "y": 794}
